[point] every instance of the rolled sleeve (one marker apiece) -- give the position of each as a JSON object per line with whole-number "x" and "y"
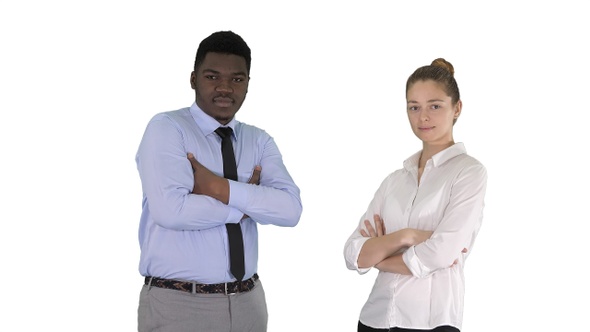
{"x": 418, "y": 269}
{"x": 352, "y": 250}
{"x": 458, "y": 228}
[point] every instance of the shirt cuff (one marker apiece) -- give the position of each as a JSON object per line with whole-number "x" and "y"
{"x": 354, "y": 250}
{"x": 414, "y": 264}
{"x": 238, "y": 195}
{"x": 238, "y": 200}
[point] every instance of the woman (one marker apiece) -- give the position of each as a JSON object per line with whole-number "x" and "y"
{"x": 423, "y": 219}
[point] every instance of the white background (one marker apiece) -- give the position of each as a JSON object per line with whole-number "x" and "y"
{"x": 79, "y": 81}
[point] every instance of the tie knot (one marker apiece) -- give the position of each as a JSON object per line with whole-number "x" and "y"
{"x": 224, "y": 132}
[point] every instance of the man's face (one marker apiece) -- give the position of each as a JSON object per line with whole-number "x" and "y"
{"x": 220, "y": 84}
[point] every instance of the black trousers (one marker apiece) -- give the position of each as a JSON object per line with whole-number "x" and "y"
{"x": 364, "y": 328}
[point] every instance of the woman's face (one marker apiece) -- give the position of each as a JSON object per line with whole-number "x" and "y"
{"x": 431, "y": 112}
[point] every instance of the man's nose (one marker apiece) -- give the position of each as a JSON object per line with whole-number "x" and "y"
{"x": 224, "y": 86}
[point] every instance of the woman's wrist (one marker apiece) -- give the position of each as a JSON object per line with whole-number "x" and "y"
{"x": 408, "y": 238}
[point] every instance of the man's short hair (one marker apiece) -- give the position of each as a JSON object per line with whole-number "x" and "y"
{"x": 226, "y": 42}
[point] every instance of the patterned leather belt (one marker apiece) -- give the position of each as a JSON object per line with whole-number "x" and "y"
{"x": 227, "y": 288}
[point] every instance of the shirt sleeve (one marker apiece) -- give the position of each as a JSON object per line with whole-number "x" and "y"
{"x": 355, "y": 242}
{"x": 458, "y": 228}
{"x": 276, "y": 200}
{"x": 167, "y": 181}
{"x": 352, "y": 250}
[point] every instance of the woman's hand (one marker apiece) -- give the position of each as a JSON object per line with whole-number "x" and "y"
{"x": 416, "y": 236}
{"x": 378, "y": 230}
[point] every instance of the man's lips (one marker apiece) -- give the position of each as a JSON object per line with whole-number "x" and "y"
{"x": 223, "y": 101}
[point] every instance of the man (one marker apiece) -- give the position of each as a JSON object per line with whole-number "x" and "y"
{"x": 192, "y": 208}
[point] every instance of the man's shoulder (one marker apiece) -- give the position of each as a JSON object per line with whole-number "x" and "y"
{"x": 249, "y": 129}
{"x": 180, "y": 113}
{"x": 180, "y": 117}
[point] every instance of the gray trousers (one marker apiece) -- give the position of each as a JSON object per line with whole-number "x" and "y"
{"x": 166, "y": 310}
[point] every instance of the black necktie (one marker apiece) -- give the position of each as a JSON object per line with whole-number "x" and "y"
{"x": 234, "y": 231}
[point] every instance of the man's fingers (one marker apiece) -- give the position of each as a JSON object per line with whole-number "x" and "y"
{"x": 194, "y": 162}
{"x": 255, "y": 178}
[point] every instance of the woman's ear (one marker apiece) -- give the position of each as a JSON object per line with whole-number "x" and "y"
{"x": 458, "y": 108}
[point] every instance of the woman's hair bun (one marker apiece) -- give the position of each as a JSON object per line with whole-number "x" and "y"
{"x": 440, "y": 62}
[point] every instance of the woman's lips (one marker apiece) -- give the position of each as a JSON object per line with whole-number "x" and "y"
{"x": 425, "y": 128}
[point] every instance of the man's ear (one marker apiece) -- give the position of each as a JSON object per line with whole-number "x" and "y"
{"x": 193, "y": 81}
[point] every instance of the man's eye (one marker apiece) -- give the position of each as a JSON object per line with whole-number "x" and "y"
{"x": 435, "y": 107}
{"x": 413, "y": 108}
{"x": 211, "y": 77}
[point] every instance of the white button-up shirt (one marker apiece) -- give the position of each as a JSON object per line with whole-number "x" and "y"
{"x": 449, "y": 201}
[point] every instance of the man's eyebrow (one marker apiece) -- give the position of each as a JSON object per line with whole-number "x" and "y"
{"x": 213, "y": 71}
{"x": 210, "y": 71}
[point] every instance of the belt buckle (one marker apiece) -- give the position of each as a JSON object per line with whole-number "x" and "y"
{"x": 225, "y": 286}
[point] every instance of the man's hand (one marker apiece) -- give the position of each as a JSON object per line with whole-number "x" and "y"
{"x": 254, "y": 179}
{"x": 207, "y": 183}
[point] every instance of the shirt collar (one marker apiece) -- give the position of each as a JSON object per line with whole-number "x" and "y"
{"x": 439, "y": 158}
{"x": 207, "y": 123}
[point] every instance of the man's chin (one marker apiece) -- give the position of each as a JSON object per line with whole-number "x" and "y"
{"x": 223, "y": 119}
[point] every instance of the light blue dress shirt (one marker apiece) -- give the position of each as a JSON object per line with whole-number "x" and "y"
{"x": 183, "y": 235}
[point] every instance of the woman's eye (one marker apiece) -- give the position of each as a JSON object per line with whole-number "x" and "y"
{"x": 435, "y": 107}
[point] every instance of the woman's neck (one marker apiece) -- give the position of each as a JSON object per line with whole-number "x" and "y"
{"x": 429, "y": 150}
